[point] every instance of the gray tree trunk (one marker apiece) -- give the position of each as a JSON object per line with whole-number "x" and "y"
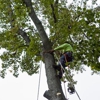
{"x": 53, "y": 82}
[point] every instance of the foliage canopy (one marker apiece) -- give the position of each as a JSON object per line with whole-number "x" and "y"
{"x": 74, "y": 22}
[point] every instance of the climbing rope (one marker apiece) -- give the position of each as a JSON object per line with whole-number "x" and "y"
{"x": 65, "y": 90}
{"x": 39, "y": 80}
{"x": 64, "y": 85}
{"x": 69, "y": 78}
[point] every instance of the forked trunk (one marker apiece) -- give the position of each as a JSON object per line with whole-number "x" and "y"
{"x": 55, "y": 90}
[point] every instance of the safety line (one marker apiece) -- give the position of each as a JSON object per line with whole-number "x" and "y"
{"x": 39, "y": 80}
{"x": 65, "y": 90}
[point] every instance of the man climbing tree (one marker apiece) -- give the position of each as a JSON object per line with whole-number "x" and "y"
{"x": 66, "y": 55}
{"x": 25, "y": 41}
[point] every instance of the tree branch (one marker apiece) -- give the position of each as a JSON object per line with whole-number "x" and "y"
{"x": 53, "y": 13}
{"x": 38, "y": 24}
{"x": 53, "y": 10}
{"x": 24, "y": 36}
{"x": 20, "y": 31}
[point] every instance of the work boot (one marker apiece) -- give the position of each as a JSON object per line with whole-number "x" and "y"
{"x": 55, "y": 66}
{"x": 60, "y": 74}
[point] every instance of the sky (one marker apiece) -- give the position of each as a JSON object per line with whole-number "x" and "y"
{"x": 25, "y": 87}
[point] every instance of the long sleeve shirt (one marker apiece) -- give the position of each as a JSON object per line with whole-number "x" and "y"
{"x": 64, "y": 47}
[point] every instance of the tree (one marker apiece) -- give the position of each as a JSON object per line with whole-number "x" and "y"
{"x": 24, "y": 37}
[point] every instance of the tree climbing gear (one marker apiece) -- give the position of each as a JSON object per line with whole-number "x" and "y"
{"x": 72, "y": 85}
{"x": 71, "y": 90}
{"x": 39, "y": 80}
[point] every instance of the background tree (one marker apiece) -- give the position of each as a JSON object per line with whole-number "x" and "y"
{"x": 23, "y": 34}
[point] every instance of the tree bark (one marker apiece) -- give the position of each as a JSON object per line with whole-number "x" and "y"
{"x": 53, "y": 81}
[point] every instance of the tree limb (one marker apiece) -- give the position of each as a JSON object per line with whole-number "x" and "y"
{"x": 53, "y": 13}
{"x": 24, "y": 36}
{"x": 53, "y": 10}
{"x": 38, "y": 24}
{"x": 20, "y": 31}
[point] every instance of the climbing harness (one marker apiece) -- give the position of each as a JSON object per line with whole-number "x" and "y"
{"x": 68, "y": 77}
{"x": 39, "y": 80}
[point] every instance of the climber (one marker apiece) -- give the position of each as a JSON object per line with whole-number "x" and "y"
{"x": 66, "y": 56}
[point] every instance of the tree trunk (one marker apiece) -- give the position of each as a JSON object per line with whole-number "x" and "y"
{"x": 55, "y": 90}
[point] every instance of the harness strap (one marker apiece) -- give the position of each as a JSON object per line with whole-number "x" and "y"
{"x": 66, "y": 59}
